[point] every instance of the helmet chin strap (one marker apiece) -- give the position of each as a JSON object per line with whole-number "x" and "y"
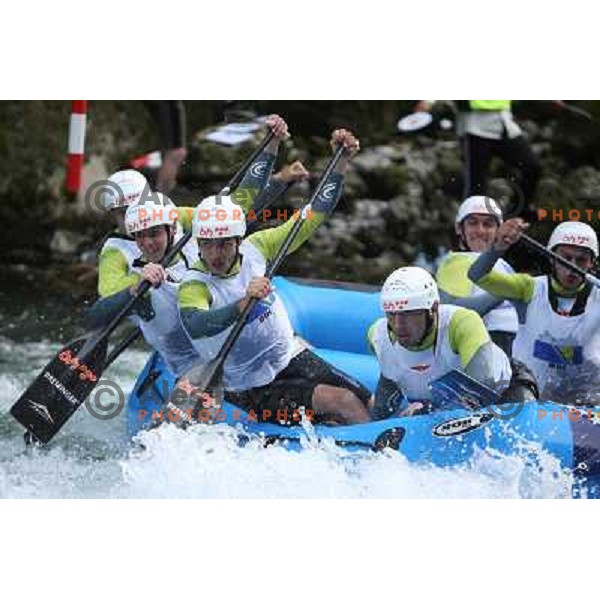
{"x": 462, "y": 240}
{"x": 238, "y": 256}
{"x": 171, "y": 238}
{"x": 554, "y": 276}
{"x": 430, "y": 323}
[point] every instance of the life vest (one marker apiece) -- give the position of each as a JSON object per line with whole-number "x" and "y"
{"x": 162, "y": 328}
{"x": 265, "y": 345}
{"x": 558, "y": 347}
{"x": 412, "y": 370}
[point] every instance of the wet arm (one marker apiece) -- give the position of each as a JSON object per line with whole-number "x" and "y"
{"x": 197, "y": 316}
{"x": 456, "y": 288}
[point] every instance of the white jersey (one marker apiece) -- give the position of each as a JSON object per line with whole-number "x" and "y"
{"x": 165, "y": 331}
{"x": 410, "y": 370}
{"x": 125, "y": 245}
{"x": 265, "y": 345}
{"x": 559, "y": 349}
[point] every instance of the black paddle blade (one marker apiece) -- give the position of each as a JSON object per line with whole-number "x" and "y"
{"x": 59, "y": 390}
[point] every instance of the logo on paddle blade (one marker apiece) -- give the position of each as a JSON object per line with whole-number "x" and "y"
{"x": 74, "y": 363}
{"x": 462, "y": 425}
{"x": 41, "y": 410}
{"x": 258, "y": 169}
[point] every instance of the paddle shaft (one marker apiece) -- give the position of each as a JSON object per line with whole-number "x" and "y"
{"x": 271, "y": 269}
{"x": 121, "y": 347}
{"x": 575, "y": 110}
{"x": 284, "y": 190}
{"x": 563, "y": 261}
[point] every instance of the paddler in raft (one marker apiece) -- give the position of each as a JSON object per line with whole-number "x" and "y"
{"x": 421, "y": 340}
{"x": 559, "y": 313}
{"x": 151, "y": 224}
{"x": 266, "y": 372}
{"x": 477, "y": 221}
{"x": 128, "y": 187}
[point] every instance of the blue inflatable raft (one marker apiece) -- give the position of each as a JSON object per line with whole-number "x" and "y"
{"x": 334, "y": 319}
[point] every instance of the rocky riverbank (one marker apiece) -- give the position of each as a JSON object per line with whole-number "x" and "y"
{"x": 398, "y": 205}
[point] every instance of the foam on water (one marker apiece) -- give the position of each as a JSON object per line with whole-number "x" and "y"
{"x": 94, "y": 459}
{"x": 209, "y": 463}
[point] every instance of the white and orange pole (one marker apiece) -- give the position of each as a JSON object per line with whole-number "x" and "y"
{"x": 76, "y": 145}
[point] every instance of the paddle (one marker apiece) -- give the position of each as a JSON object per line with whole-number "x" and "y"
{"x": 563, "y": 261}
{"x": 201, "y": 378}
{"x": 68, "y": 379}
{"x": 237, "y": 178}
{"x": 114, "y": 354}
{"x": 456, "y": 389}
{"x": 574, "y": 110}
{"x": 121, "y": 347}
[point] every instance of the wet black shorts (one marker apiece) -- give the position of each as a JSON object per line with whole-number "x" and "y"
{"x": 293, "y": 388}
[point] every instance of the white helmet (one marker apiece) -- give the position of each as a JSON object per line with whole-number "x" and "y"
{"x": 574, "y": 233}
{"x": 218, "y": 217}
{"x": 478, "y": 205}
{"x": 158, "y": 209}
{"x": 127, "y": 187}
{"x": 409, "y": 288}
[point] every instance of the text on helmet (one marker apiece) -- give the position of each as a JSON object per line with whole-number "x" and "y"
{"x": 393, "y": 305}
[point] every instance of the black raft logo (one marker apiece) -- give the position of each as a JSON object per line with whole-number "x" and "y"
{"x": 462, "y": 425}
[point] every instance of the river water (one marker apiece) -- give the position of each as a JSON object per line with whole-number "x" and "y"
{"x": 90, "y": 458}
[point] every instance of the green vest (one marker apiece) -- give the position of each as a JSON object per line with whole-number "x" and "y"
{"x": 489, "y": 104}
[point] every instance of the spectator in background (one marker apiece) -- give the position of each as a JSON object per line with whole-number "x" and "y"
{"x": 487, "y": 128}
{"x": 169, "y": 115}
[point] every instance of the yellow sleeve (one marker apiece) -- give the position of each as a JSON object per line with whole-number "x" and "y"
{"x": 514, "y": 286}
{"x": 269, "y": 241}
{"x": 194, "y": 294}
{"x": 113, "y": 273}
{"x": 371, "y": 337}
{"x": 186, "y": 214}
{"x": 467, "y": 333}
{"x": 452, "y": 276}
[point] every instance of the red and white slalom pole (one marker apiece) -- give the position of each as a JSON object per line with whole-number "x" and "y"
{"x": 76, "y": 145}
